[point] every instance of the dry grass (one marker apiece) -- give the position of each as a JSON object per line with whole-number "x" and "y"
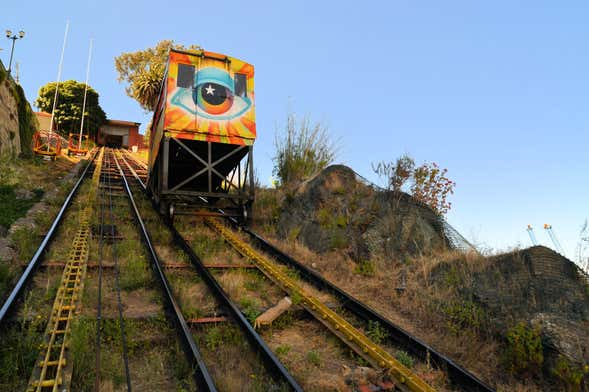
{"x": 412, "y": 307}
{"x": 312, "y": 354}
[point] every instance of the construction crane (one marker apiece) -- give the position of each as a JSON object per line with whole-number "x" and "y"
{"x": 553, "y": 238}
{"x": 530, "y": 231}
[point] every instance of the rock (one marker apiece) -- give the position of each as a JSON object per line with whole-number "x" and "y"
{"x": 23, "y": 194}
{"x": 563, "y": 337}
{"x": 338, "y": 210}
{"x": 535, "y": 285}
{"x": 6, "y": 252}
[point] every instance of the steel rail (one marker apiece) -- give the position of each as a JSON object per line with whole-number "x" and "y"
{"x": 456, "y": 374}
{"x": 28, "y": 273}
{"x": 348, "y": 334}
{"x": 276, "y": 368}
{"x": 114, "y": 255}
{"x": 202, "y": 377}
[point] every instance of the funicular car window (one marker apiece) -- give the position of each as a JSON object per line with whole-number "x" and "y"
{"x": 185, "y": 76}
{"x": 240, "y": 85}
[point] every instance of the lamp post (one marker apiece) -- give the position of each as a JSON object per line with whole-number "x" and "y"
{"x": 9, "y": 35}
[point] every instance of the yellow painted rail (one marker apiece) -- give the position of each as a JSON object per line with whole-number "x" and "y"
{"x": 351, "y": 336}
{"x": 50, "y": 372}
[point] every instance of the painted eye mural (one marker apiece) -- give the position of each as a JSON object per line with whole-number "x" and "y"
{"x": 211, "y": 96}
{"x": 216, "y": 95}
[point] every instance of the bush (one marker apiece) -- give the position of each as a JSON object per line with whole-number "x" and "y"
{"x": 569, "y": 374}
{"x": 432, "y": 187}
{"x": 301, "y": 151}
{"x": 523, "y": 352}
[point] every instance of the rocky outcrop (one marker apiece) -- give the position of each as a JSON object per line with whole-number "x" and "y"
{"x": 536, "y": 286}
{"x": 9, "y": 129}
{"x": 338, "y": 210}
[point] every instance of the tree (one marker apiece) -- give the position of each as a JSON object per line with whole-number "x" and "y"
{"x": 68, "y": 112}
{"x": 143, "y": 71}
{"x": 301, "y": 151}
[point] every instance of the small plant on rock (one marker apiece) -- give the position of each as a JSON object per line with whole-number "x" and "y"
{"x": 523, "y": 351}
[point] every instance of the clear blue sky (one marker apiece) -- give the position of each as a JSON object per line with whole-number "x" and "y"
{"x": 495, "y": 91}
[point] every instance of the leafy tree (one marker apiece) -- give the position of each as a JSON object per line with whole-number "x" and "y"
{"x": 302, "y": 150}
{"x": 143, "y": 71}
{"x": 68, "y": 112}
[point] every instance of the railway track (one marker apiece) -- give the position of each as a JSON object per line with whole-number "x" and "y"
{"x": 99, "y": 253}
{"x": 352, "y": 337}
{"x": 399, "y": 337}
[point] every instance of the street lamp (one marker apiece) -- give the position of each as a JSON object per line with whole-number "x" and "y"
{"x": 9, "y": 35}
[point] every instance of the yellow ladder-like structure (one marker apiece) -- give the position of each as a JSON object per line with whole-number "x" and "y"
{"x": 50, "y": 372}
{"x": 407, "y": 380}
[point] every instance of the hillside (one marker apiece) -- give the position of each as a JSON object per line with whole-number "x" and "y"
{"x": 519, "y": 320}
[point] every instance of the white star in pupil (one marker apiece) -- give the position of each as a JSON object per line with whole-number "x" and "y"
{"x": 210, "y": 90}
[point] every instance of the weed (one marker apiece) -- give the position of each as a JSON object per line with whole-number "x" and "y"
{"x": 249, "y": 308}
{"x": 293, "y": 234}
{"x": 341, "y": 221}
{"x": 219, "y": 335}
{"x": 523, "y": 351}
{"x": 405, "y": 359}
{"x": 19, "y": 350}
{"x": 14, "y": 207}
{"x": 6, "y": 276}
{"x": 23, "y": 239}
{"x": 282, "y": 350}
{"x": 292, "y": 273}
{"x": 81, "y": 341}
{"x": 463, "y": 315}
{"x": 254, "y": 284}
{"x": 338, "y": 240}
{"x": 365, "y": 267}
{"x": 376, "y": 332}
{"x": 314, "y": 358}
{"x": 569, "y": 374}
{"x": 296, "y": 298}
{"x": 134, "y": 274}
{"x": 324, "y": 218}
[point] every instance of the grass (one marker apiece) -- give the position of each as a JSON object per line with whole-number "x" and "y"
{"x": 313, "y": 358}
{"x": 13, "y": 207}
{"x": 19, "y": 349}
{"x": 82, "y": 354}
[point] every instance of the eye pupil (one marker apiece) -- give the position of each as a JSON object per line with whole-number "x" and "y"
{"x": 213, "y": 93}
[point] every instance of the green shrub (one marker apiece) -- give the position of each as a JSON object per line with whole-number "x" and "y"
{"x": 405, "y": 359}
{"x": 282, "y": 350}
{"x": 376, "y": 332}
{"x": 569, "y": 374}
{"x": 523, "y": 351}
{"x": 249, "y": 307}
{"x": 463, "y": 315}
{"x": 365, "y": 267}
